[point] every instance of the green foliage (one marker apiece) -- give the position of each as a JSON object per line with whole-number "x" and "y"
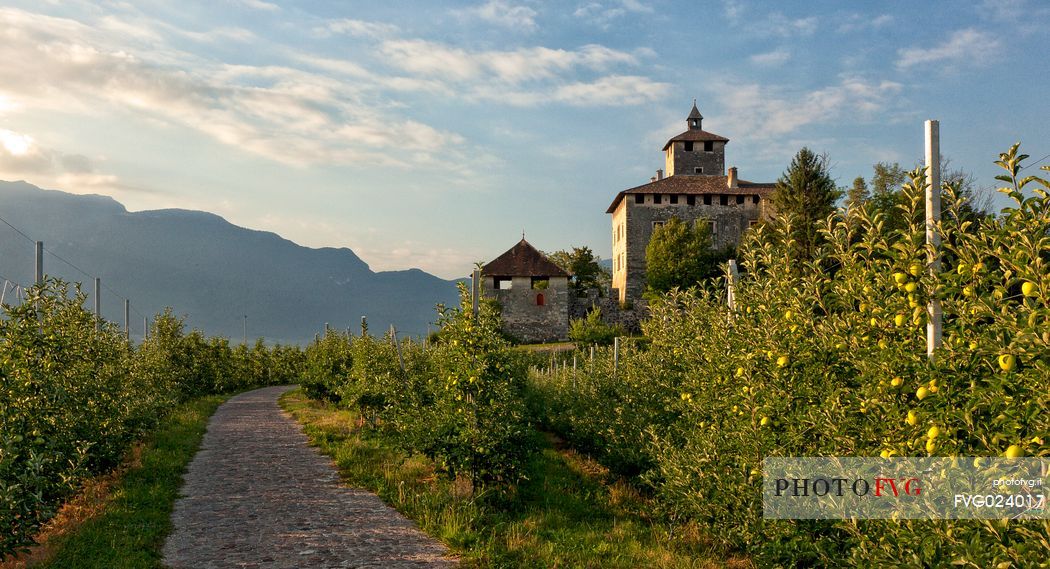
{"x": 831, "y": 363}
{"x": 72, "y": 399}
{"x": 804, "y": 197}
{"x": 130, "y": 530}
{"x": 566, "y": 512}
{"x": 679, "y": 255}
{"x": 858, "y": 194}
{"x": 591, "y": 330}
{"x": 458, "y": 401}
{"x": 583, "y": 265}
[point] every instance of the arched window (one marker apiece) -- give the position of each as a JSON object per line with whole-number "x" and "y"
{"x": 539, "y": 299}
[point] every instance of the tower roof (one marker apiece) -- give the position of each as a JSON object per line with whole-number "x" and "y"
{"x": 522, "y": 260}
{"x": 696, "y": 135}
{"x": 696, "y": 185}
{"x": 695, "y": 113}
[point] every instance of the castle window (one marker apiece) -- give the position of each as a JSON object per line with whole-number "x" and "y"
{"x": 740, "y": 199}
{"x": 698, "y": 170}
{"x": 674, "y": 198}
{"x": 691, "y": 200}
{"x": 539, "y": 299}
{"x": 656, "y": 198}
{"x": 707, "y": 199}
{"x": 503, "y": 283}
{"x": 639, "y": 198}
{"x": 540, "y": 283}
{"x": 723, "y": 199}
{"x": 657, "y": 225}
{"x": 754, "y": 199}
{"x": 689, "y": 146}
{"x": 709, "y": 146}
{"x": 711, "y": 226}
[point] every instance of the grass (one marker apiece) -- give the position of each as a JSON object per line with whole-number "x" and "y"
{"x": 120, "y": 520}
{"x": 570, "y": 512}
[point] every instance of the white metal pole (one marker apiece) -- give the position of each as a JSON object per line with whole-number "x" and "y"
{"x": 39, "y": 263}
{"x": 933, "y": 238}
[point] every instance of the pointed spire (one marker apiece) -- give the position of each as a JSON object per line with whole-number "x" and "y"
{"x": 694, "y": 118}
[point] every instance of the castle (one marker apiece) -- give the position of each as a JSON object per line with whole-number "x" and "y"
{"x": 695, "y": 188}
{"x": 533, "y": 291}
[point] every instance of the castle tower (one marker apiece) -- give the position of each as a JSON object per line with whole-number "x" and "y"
{"x": 695, "y": 152}
{"x": 695, "y": 190}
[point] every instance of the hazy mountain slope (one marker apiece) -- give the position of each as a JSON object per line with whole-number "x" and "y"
{"x": 209, "y": 270}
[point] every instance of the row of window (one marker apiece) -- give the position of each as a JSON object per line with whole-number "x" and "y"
{"x": 709, "y": 146}
{"x": 690, "y": 199}
{"x": 710, "y": 224}
{"x": 505, "y": 283}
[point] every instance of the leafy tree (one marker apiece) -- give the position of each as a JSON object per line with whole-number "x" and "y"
{"x": 592, "y": 330}
{"x": 888, "y": 199}
{"x": 679, "y": 255}
{"x": 583, "y": 265}
{"x": 804, "y": 197}
{"x": 858, "y": 195}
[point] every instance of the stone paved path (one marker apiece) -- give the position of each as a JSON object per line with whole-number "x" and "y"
{"x": 257, "y": 496}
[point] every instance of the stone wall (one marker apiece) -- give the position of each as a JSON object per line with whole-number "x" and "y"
{"x": 682, "y": 162}
{"x": 628, "y": 316}
{"x": 731, "y": 221}
{"x": 524, "y": 318}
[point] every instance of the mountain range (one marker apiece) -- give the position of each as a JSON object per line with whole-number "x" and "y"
{"x": 208, "y": 270}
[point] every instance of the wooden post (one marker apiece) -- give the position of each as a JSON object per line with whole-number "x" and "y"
{"x": 39, "y": 263}
{"x": 933, "y": 238}
{"x": 98, "y": 303}
{"x": 364, "y": 326}
{"x": 127, "y": 319}
{"x": 4, "y": 293}
{"x": 145, "y": 328}
{"x": 397, "y": 345}
{"x": 475, "y": 292}
{"x": 731, "y": 288}
{"x": 616, "y": 354}
{"x": 244, "y": 330}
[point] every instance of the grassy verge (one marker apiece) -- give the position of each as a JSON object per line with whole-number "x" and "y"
{"x": 569, "y": 513}
{"x": 121, "y": 519}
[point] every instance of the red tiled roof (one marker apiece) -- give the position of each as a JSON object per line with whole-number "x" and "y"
{"x": 522, "y": 260}
{"x": 696, "y": 135}
{"x": 695, "y": 185}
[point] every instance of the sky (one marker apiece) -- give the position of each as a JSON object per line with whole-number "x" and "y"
{"x": 431, "y": 134}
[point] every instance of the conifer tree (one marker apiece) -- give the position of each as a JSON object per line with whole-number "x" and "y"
{"x": 804, "y": 197}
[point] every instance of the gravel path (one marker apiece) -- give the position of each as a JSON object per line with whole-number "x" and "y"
{"x": 256, "y": 495}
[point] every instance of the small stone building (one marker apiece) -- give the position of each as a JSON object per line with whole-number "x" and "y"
{"x": 696, "y": 188}
{"x": 532, "y": 291}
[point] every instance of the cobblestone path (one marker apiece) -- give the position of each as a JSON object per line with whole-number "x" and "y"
{"x": 257, "y": 496}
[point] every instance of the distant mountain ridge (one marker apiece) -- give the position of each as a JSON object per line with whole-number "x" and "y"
{"x": 209, "y": 270}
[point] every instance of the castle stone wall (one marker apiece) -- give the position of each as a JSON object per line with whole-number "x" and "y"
{"x": 526, "y": 320}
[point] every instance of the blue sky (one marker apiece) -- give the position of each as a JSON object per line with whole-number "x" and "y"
{"x": 427, "y": 134}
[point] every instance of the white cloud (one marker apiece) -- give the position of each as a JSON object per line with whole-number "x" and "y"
{"x": 771, "y": 58}
{"x": 526, "y": 64}
{"x": 526, "y": 76}
{"x": 969, "y": 45}
{"x": 763, "y": 111}
{"x": 259, "y": 5}
{"x": 358, "y": 28}
{"x": 285, "y": 114}
{"x": 603, "y": 13}
{"x": 503, "y": 14}
{"x": 860, "y": 22}
{"x": 23, "y": 158}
